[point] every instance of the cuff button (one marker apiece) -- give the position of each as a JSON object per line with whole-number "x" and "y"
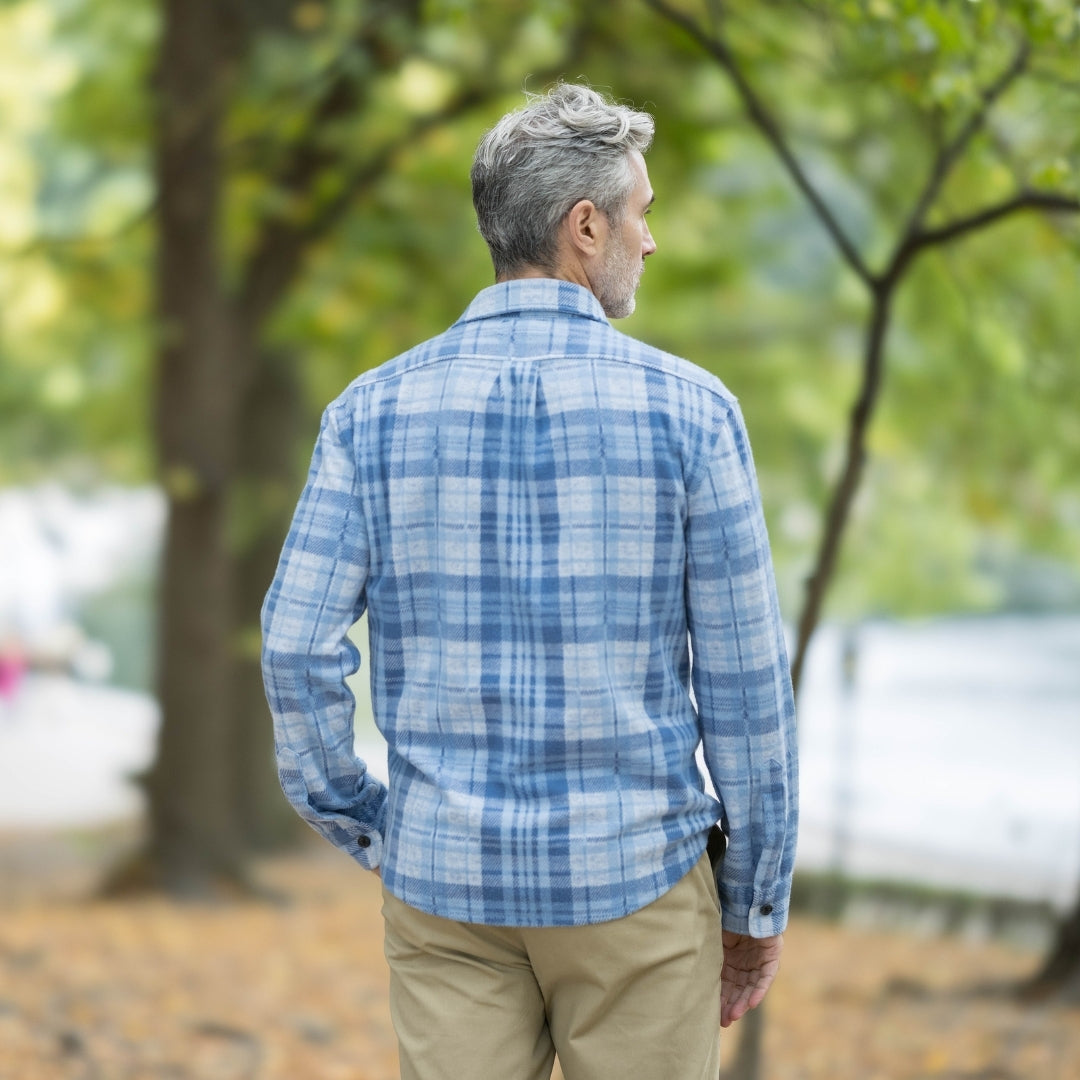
{"x": 365, "y": 841}
{"x": 766, "y": 909}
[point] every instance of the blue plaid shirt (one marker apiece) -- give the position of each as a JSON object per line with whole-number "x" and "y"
{"x": 557, "y": 535}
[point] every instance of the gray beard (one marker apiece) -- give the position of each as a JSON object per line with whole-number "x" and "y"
{"x": 617, "y": 283}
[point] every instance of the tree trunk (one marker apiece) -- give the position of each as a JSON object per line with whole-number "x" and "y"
{"x": 747, "y": 1061}
{"x": 265, "y": 493}
{"x": 1059, "y": 976}
{"x": 194, "y": 844}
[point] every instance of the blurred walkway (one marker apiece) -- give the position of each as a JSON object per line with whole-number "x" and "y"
{"x": 259, "y": 991}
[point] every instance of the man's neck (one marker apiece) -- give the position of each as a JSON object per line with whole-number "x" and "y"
{"x": 563, "y": 271}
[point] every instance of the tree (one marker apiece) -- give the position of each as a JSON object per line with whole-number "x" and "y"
{"x": 228, "y": 401}
{"x": 914, "y": 237}
{"x": 194, "y": 838}
{"x": 954, "y": 129}
{"x": 974, "y": 436}
{"x": 1059, "y": 974}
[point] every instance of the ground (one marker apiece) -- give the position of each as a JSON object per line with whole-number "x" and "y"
{"x": 295, "y": 989}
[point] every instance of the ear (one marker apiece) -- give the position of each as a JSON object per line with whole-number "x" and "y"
{"x": 585, "y": 228}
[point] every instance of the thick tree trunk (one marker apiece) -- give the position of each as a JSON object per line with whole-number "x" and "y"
{"x": 194, "y": 844}
{"x": 265, "y": 493}
{"x": 227, "y": 423}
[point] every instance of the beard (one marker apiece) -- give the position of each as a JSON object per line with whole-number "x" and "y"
{"x": 617, "y": 281}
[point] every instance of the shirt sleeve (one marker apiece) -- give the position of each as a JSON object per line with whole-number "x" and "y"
{"x": 316, "y": 596}
{"x": 742, "y": 683}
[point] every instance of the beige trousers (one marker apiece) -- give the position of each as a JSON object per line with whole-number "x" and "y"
{"x": 637, "y": 997}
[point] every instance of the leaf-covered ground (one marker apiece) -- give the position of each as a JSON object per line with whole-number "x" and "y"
{"x": 296, "y": 990}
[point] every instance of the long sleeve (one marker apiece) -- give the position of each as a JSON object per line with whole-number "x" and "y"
{"x": 742, "y": 683}
{"x": 317, "y": 594}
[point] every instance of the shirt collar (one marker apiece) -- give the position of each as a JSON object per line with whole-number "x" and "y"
{"x": 533, "y": 295}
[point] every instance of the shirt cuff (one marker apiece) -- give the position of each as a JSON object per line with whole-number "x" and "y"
{"x": 761, "y": 921}
{"x": 368, "y": 850}
{"x": 361, "y": 842}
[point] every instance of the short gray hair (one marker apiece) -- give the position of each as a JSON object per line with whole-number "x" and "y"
{"x": 535, "y": 164}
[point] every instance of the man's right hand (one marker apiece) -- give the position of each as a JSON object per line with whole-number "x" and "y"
{"x": 750, "y": 965}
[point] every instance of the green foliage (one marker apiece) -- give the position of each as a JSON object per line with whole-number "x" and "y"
{"x": 74, "y": 335}
{"x": 977, "y": 443}
{"x": 974, "y": 446}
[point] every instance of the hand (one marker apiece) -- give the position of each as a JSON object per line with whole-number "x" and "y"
{"x": 750, "y": 965}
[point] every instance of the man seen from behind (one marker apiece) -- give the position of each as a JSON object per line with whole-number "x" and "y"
{"x": 557, "y": 536}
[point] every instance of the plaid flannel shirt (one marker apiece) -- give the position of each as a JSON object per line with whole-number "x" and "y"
{"x": 557, "y": 536}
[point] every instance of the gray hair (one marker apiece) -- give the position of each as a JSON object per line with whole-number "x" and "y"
{"x": 536, "y": 163}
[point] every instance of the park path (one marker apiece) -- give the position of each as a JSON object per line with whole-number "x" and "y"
{"x": 247, "y": 990}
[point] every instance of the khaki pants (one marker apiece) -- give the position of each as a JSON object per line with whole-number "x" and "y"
{"x": 636, "y": 997}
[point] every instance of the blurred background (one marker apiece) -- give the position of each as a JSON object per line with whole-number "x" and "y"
{"x": 213, "y": 215}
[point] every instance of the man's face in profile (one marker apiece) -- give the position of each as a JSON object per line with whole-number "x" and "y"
{"x": 628, "y": 243}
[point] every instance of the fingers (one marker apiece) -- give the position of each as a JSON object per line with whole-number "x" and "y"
{"x": 750, "y": 965}
{"x": 740, "y": 1001}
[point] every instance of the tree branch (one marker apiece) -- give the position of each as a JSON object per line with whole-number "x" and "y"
{"x": 310, "y": 156}
{"x": 873, "y": 363}
{"x": 277, "y": 253}
{"x": 1049, "y": 201}
{"x": 343, "y": 94}
{"x": 276, "y": 257}
{"x": 952, "y": 151}
{"x": 770, "y": 128}
{"x": 847, "y": 485}
{"x": 1052, "y": 78}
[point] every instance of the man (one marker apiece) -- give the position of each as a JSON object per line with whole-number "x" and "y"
{"x": 556, "y": 533}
